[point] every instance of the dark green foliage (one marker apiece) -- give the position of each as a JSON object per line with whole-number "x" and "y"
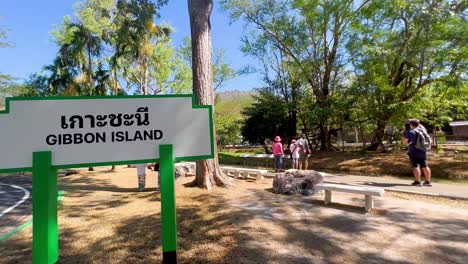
{"x": 265, "y": 118}
{"x": 36, "y": 85}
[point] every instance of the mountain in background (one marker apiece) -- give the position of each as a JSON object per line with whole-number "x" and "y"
{"x": 229, "y": 115}
{"x": 234, "y": 95}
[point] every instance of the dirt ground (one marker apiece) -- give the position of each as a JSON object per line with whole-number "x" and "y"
{"x": 103, "y": 219}
{"x": 444, "y": 165}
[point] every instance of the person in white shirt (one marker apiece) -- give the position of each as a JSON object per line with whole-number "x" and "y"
{"x": 304, "y": 152}
{"x": 294, "y": 150}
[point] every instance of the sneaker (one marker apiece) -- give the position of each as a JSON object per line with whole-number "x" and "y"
{"x": 416, "y": 183}
{"x": 427, "y": 183}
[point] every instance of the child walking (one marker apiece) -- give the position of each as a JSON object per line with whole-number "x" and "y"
{"x": 278, "y": 153}
{"x": 141, "y": 172}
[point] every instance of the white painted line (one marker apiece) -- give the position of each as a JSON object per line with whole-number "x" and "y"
{"x": 26, "y": 196}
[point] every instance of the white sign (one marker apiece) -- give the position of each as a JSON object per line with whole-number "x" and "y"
{"x": 103, "y": 130}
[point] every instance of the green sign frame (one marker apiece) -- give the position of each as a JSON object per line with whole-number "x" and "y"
{"x": 122, "y": 162}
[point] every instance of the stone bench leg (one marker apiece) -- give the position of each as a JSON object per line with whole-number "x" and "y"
{"x": 246, "y": 175}
{"x": 369, "y": 203}
{"x": 259, "y": 176}
{"x": 236, "y": 174}
{"x": 328, "y": 197}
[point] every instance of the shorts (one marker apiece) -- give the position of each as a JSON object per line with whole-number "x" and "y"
{"x": 418, "y": 161}
{"x": 303, "y": 157}
{"x": 141, "y": 169}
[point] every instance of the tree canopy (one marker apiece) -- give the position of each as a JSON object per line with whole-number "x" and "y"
{"x": 328, "y": 67}
{"x": 366, "y": 65}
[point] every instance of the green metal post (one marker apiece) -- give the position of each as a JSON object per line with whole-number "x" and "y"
{"x": 45, "y": 225}
{"x": 168, "y": 206}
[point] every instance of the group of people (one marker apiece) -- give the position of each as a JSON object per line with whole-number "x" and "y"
{"x": 299, "y": 153}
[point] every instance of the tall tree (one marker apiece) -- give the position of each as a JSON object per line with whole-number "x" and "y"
{"x": 135, "y": 39}
{"x": 208, "y": 173}
{"x": 400, "y": 48}
{"x": 280, "y": 76}
{"x": 310, "y": 34}
{"x": 222, "y": 71}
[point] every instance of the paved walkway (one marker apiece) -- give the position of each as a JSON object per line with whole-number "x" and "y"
{"x": 15, "y": 202}
{"x": 395, "y": 184}
{"x": 402, "y": 185}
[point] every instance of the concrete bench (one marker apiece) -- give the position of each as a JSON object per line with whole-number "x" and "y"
{"x": 245, "y": 173}
{"x": 231, "y": 171}
{"x": 258, "y": 174}
{"x": 368, "y": 192}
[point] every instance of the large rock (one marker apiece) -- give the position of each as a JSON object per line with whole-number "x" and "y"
{"x": 184, "y": 169}
{"x": 297, "y": 181}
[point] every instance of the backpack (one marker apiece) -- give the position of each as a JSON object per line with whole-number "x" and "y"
{"x": 304, "y": 146}
{"x": 423, "y": 140}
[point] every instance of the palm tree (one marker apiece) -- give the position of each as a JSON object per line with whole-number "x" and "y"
{"x": 134, "y": 39}
{"x": 72, "y": 72}
{"x": 62, "y": 76}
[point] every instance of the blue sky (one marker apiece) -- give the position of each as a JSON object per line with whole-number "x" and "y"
{"x": 29, "y": 24}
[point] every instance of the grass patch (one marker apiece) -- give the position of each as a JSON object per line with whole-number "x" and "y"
{"x": 229, "y": 154}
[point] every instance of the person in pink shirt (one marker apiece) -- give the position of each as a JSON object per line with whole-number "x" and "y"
{"x": 278, "y": 153}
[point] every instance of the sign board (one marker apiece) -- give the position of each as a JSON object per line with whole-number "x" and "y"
{"x": 93, "y": 131}
{"x": 45, "y": 134}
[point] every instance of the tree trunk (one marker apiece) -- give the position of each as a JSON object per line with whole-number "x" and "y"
{"x": 145, "y": 78}
{"x": 292, "y": 124}
{"x": 208, "y": 173}
{"x": 362, "y": 137}
{"x": 379, "y": 133}
{"x": 323, "y": 136}
{"x": 356, "y": 135}
{"x": 90, "y": 72}
{"x": 293, "y": 116}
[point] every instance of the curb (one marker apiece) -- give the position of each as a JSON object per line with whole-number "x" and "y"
{"x": 453, "y": 197}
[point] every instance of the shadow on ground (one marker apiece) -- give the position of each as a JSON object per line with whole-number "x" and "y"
{"x": 261, "y": 227}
